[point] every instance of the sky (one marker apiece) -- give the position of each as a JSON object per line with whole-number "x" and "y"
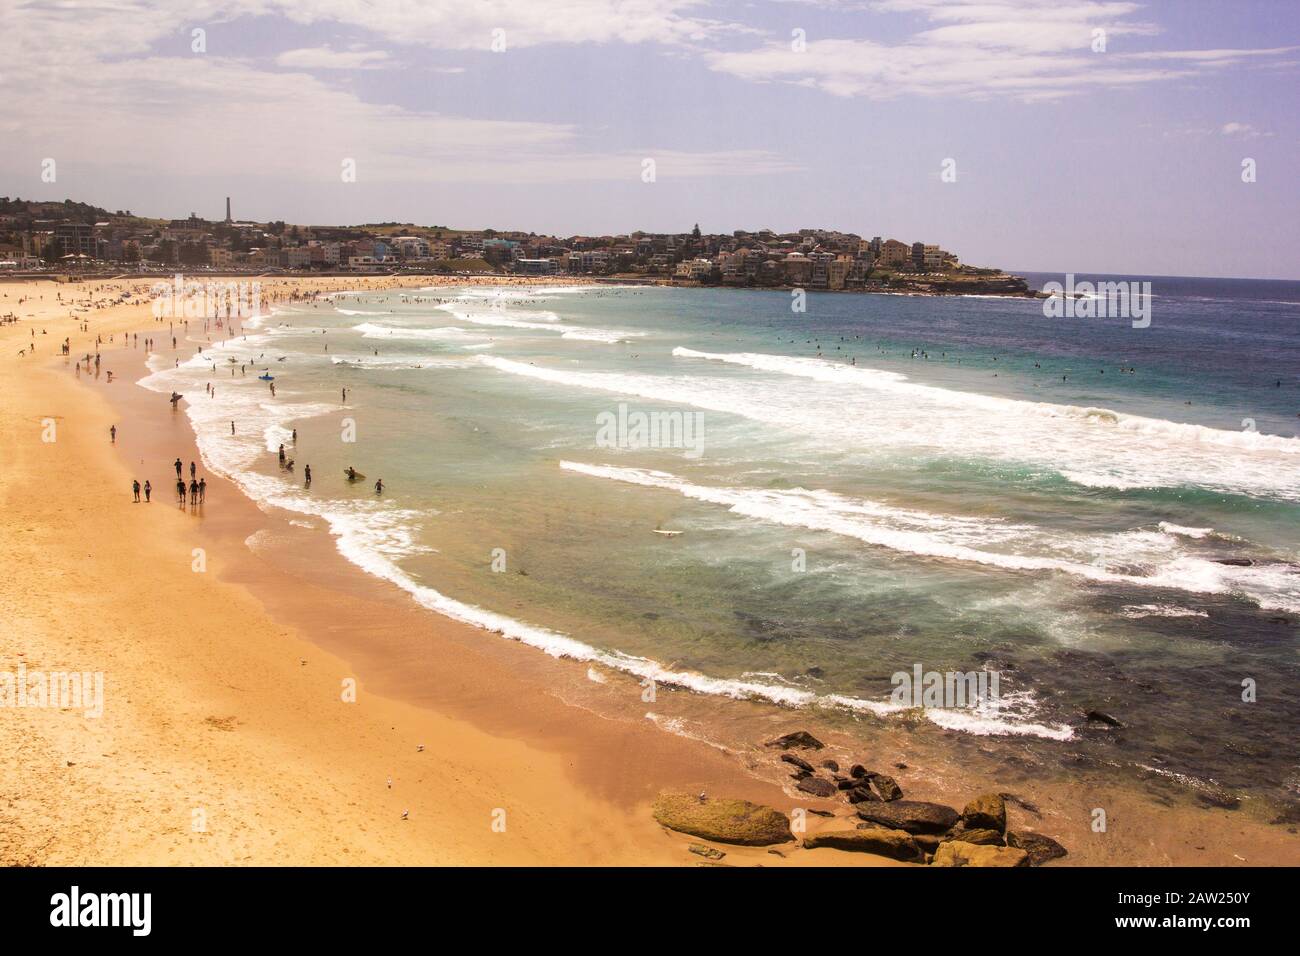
{"x": 1034, "y": 135}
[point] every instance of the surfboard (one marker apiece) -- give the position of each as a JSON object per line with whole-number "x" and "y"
{"x": 666, "y": 534}
{"x": 356, "y": 477}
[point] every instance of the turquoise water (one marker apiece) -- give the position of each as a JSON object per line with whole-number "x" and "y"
{"x": 879, "y": 482}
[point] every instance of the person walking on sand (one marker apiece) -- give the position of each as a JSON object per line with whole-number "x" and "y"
{"x": 306, "y": 473}
{"x": 180, "y": 491}
{"x": 194, "y": 492}
{"x": 135, "y": 489}
{"x": 191, "y": 471}
{"x": 203, "y": 490}
{"x": 178, "y": 469}
{"x": 148, "y": 490}
{"x": 112, "y": 434}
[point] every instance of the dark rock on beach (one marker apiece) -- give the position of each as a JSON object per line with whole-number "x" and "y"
{"x": 831, "y": 765}
{"x": 988, "y": 811}
{"x": 817, "y": 786}
{"x": 887, "y": 787}
{"x": 1041, "y": 849}
{"x": 957, "y": 853}
{"x": 722, "y": 820}
{"x": 894, "y": 844}
{"x": 977, "y": 836}
{"x": 798, "y": 762}
{"x": 1101, "y": 717}
{"x": 1021, "y": 803}
{"x": 800, "y": 739}
{"x": 914, "y": 816}
{"x": 862, "y": 794}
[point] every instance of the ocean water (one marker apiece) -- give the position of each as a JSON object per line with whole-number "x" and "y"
{"x": 834, "y": 496}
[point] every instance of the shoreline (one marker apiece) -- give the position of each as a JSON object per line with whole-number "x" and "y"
{"x": 587, "y": 743}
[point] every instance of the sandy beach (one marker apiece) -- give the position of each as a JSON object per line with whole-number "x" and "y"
{"x": 231, "y": 732}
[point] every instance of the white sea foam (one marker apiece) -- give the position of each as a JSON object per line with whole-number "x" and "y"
{"x": 881, "y": 414}
{"x": 1171, "y": 528}
{"x": 370, "y": 330}
{"x": 1011, "y": 714}
{"x": 402, "y": 361}
{"x": 1107, "y": 559}
{"x": 533, "y": 321}
{"x": 1135, "y": 611}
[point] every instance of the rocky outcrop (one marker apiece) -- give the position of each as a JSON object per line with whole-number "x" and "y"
{"x": 722, "y": 820}
{"x": 1041, "y": 849}
{"x": 894, "y": 844}
{"x": 988, "y": 811}
{"x": 799, "y": 739}
{"x": 913, "y": 816}
{"x": 957, "y": 853}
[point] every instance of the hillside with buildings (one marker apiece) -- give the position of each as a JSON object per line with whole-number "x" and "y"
{"x": 67, "y": 236}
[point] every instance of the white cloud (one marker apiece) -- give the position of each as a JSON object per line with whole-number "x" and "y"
{"x": 1241, "y": 130}
{"x": 469, "y": 24}
{"x": 119, "y": 87}
{"x": 327, "y": 58}
{"x": 1026, "y": 49}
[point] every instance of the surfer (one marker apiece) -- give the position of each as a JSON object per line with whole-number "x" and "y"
{"x": 351, "y": 473}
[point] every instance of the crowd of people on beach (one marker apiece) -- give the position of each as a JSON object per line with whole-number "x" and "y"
{"x": 103, "y": 296}
{"x": 195, "y": 492}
